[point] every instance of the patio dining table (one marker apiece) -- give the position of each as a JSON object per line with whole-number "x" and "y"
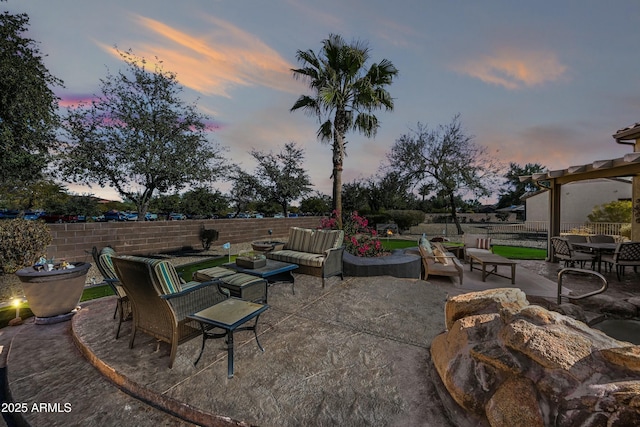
{"x": 597, "y": 248}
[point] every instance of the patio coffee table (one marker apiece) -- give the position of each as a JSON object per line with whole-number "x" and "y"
{"x": 274, "y": 271}
{"x": 488, "y": 260}
{"x": 229, "y": 315}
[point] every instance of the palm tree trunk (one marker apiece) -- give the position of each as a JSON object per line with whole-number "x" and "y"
{"x": 339, "y": 124}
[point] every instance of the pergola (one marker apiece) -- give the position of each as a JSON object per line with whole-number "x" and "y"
{"x": 629, "y": 165}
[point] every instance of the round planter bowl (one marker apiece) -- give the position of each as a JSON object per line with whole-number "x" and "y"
{"x": 53, "y": 293}
{"x": 266, "y": 246}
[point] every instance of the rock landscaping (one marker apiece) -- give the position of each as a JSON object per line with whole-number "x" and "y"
{"x": 507, "y": 362}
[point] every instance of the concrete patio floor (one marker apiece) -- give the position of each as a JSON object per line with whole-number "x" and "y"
{"x": 353, "y": 353}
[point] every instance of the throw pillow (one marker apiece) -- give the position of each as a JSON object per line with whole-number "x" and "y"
{"x": 439, "y": 256}
{"x": 424, "y": 242}
{"x": 483, "y": 243}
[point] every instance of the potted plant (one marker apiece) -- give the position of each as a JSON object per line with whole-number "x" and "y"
{"x": 251, "y": 260}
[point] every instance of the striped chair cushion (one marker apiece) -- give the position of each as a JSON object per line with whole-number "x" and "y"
{"x": 323, "y": 240}
{"x": 299, "y": 239}
{"x": 208, "y": 274}
{"x": 165, "y": 272}
{"x": 106, "y": 263}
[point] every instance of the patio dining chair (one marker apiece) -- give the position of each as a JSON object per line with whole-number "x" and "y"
{"x": 627, "y": 254}
{"x": 103, "y": 260}
{"x": 563, "y": 250}
{"x": 601, "y": 238}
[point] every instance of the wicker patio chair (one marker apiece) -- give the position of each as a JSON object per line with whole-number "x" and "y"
{"x": 103, "y": 260}
{"x": 563, "y": 250}
{"x": 627, "y": 254}
{"x": 161, "y": 303}
{"x": 601, "y": 238}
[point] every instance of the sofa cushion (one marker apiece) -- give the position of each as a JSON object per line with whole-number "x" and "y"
{"x": 299, "y": 239}
{"x": 297, "y": 257}
{"x": 240, "y": 279}
{"x": 323, "y": 240}
{"x": 470, "y": 251}
{"x": 207, "y": 274}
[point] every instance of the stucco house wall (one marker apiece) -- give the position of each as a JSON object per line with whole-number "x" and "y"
{"x": 578, "y": 199}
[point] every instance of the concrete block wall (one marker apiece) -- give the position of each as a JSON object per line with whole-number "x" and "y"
{"x": 74, "y": 241}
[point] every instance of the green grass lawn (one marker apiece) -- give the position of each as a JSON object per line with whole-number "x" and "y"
{"x": 392, "y": 244}
{"x": 511, "y": 252}
{"x": 517, "y": 252}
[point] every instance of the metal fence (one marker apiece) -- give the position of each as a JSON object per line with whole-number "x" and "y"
{"x": 541, "y": 227}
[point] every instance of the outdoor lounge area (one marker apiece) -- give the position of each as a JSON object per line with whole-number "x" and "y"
{"x": 356, "y": 352}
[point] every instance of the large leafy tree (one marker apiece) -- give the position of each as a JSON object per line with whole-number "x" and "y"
{"x": 28, "y": 106}
{"x": 614, "y": 211}
{"x": 203, "y": 202}
{"x": 515, "y": 189}
{"x": 447, "y": 158}
{"x": 139, "y": 137}
{"x": 244, "y": 191}
{"x": 345, "y": 93}
{"x": 317, "y": 204}
{"x": 281, "y": 177}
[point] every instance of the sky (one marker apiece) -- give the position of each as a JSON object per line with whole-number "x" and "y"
{"x": 543, "y": 82}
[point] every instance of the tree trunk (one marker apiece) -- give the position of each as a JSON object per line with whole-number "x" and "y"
{"x": 456, "y": 221}
{"x": 339, "y": 125}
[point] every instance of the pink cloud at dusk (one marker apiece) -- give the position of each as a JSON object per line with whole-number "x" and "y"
{"x": 74, "y": 100}
{"x": 214, "y": 63}
{"x": 512, "y": 68}
{"x": 553, "y": 146}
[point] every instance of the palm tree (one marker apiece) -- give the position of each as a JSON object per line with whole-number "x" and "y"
{"x": 345, "y": 90}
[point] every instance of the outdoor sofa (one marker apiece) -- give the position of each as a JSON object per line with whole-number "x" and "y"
{"x": 438, "y": 262}
{"x": 316, "y": 252}
{"x": 476, "y": 244}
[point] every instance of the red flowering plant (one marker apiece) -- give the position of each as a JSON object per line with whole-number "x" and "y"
{"x": 359, "y": 238}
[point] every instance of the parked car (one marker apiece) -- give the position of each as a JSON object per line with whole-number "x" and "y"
{"x": 131, "y": 216}
{"x": 173, "y": 216}
{"x": 31, "y": 215}
{"x": 115, "y": 216}
{"x": 278, "y": 215}
{"x": 149, "y": 216}
{"x": 9, "y": 214}
{"x": 53, "y": 218}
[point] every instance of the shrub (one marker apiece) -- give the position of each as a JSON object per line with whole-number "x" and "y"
{"x": 208, "y": 236}
{"x": 406, "y": 218}
{"x": 22, "y": 242}
{"x": 359, "y": 238}
{"x": 625, "y": 231}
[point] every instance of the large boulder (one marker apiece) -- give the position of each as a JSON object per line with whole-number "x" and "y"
{"x": 510, "y": 363}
